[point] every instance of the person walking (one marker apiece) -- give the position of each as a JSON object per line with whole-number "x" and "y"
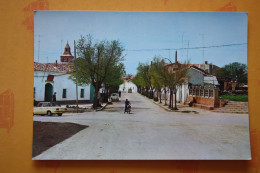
{"x": 54, "y": 97}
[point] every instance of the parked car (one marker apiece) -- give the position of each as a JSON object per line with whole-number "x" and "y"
{"x": 48, "y": 108}
{"x": 115, "y": 97}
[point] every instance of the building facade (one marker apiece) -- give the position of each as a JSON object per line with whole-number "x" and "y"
{"x": 128, "y": 85}
{"x": 54, "y": 77}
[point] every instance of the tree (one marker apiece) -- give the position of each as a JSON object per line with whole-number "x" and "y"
{"x": 159, "y": 75}
{"x": 171, "y": 76}
{"x": 97, "y": 63}
{"x": 180, "y": 76}
{"x": 115, "y": 78}
{"x": 144, "y": 77}
{"x": 234, "y": 71}
{"x": 138, "y": 82}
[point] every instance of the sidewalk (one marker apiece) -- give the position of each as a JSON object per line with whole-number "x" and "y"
{"x": 181, "y": 107}
{"x": 86, "y": 107}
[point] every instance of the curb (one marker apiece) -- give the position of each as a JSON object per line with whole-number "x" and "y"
{"x": 102, "y": 108}
{"x": 161, "y": 106}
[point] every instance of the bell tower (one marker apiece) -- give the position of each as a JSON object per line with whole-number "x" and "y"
{"x": 67, "y": 56}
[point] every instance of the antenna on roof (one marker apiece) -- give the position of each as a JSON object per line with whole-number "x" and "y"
{"x": 203, "y": 46}
{"x": 61, "y": 46}
{"x": 188, "y": 50}
{"x": 39, "y": 47}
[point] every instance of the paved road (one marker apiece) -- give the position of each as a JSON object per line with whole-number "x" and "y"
{"x": 151, "y": 133}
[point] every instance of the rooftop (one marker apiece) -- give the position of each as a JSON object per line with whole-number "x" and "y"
{"x": 53, "y": 67}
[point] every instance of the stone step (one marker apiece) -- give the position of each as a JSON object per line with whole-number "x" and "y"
{"x": 237, "y": 112}
{"x": 233, "y": 107}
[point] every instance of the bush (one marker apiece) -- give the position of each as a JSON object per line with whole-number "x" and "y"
{"x": 150, "y": 96}
{"x": 156, "y": 99}
{"x": 242, "y": 98}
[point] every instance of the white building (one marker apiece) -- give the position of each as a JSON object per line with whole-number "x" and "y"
{"x": 196, "y": 76}
{"x": 54, "y": 77}
{"x": 128, "y": 85}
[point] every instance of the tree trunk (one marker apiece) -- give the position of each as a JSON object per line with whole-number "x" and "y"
{"x": 175, "y": 106}
{"x": 165, "y": 100}
{"x": 95, "y": 104}
{"x": 96, "y": 100}
{"x": 160, "y": 95}
{"x": 170, "y": 101}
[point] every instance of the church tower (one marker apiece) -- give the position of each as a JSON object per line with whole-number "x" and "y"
{"x": 67, "y": 56}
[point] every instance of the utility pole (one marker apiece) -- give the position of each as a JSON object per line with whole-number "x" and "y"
{"x": 75, "y": 60}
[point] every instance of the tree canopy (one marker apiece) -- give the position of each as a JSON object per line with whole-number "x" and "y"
{"x": 98, "y": 63}
{"x": 234, "y": 71}
{"x": 158, "y": 75}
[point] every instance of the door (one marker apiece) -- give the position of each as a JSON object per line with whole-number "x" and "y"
{"x": 48, "y": 92}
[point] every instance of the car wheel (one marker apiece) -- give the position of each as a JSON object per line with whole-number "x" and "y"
{"x": 49, "y": 113}
{"x": 59, "y": 114}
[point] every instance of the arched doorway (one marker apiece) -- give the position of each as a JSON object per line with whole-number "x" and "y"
{"x": 48, "y": 92}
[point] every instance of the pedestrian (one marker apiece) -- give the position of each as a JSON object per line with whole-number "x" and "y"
{"x": 126, "y": 104}
{"x": 54, "y": 97}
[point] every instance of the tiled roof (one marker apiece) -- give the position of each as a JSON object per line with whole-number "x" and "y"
{"x": 203, "y": 71}
{"x": 52, "y": 67}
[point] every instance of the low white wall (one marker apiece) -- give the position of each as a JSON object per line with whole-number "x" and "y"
{"x": 127, "y": 85}
{"x": 59, "y": 83}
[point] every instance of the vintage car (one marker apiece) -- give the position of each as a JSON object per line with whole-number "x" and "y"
{"x": 115, "y": 97}
{"x": 48, "y": 108}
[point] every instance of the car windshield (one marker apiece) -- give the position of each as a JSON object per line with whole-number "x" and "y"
{"x": 43, "y": 104}
{"x": 46, "y": 104}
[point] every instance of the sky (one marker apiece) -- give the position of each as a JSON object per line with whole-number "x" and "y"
{"x": 217, "y": 37}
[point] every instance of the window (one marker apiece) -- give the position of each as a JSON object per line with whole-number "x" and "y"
{"x": 82, "y": 93}
{"x": 64, "y": 93}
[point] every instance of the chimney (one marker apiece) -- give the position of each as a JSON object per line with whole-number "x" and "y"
{"x": 176, "y": 57}
{"x": 206, "y": 62}
{"x": 56, "y": 63}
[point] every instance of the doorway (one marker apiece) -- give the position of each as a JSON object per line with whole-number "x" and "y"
{"x": 48, "y": 92}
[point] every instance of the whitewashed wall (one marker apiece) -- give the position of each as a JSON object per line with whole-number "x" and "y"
{"x": 127, "y": 85}
{"x": 60, "y": 82}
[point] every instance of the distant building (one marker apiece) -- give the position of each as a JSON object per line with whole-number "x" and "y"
{"x": 67, "y": 56}
{"x": 54, "y": 77}
{"x": 209, "y": 68}
{"x": 128, "y": 84}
